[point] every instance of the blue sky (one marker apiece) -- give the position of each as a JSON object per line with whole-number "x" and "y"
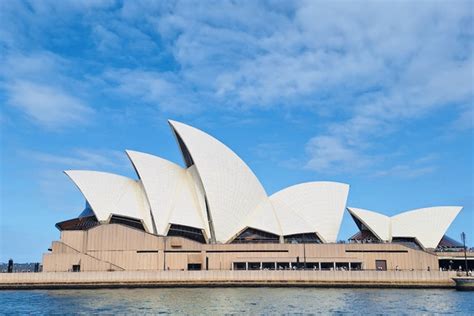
{"x": 375, "y": 94}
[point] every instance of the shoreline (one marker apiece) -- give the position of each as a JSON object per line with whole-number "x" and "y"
{"x": 167, "y": 279}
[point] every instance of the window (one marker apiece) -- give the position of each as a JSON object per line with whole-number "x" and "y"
{"x": 254, "y": 265}
{"x": 312, "y": 265}
{"x": 76, "y": 268}
{"x": 268, "y": 265}
{"x": 356, "y": 265}
{"x": 251, "y": 235}
{"x": 342, "y": 265}
{"x": 306, "y": 238}
{"x": 131, "y": 222}
{"x": 283, "y": 265}
{"x": 407, "y": 241}
{"x": 80, "y": 223}
{"x": 240, "y": 266}
{"x": 327, "y": 265}
{"x": 187, "y": 232}
{"x": 381, "y": 265}
{"x": 194, "y": 266}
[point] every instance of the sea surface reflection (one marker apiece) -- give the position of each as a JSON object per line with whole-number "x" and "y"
{"x": 237, "y": 301}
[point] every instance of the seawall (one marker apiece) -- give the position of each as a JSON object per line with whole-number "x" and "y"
{"x": 379, "y": 279}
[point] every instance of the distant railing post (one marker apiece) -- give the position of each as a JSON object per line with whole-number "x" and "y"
{"x": 463, "y": 237}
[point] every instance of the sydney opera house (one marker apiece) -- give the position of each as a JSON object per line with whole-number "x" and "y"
{"x": 214, "y": 214}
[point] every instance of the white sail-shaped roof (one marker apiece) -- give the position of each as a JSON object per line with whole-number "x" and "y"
{"x": 171, "y": 192}
{"x": 377, "y": 223}
{"x": 264, "y": 218}
{"x": 319, "y": 205}
{"x": 109, "y": 194}
{"x": 427, "y": 225}
{"x": 232, "y": 190}
{"x": 290, "y": 221}
{"x": 219, "y": 194}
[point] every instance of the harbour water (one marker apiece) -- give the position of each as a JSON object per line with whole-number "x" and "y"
{"x": 216, "y": 301}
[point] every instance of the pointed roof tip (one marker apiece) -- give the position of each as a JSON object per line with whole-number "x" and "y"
{"x": 130, "y": 152}
{"x": 173, "y": 122}
{"x": 71, "y": 171}
{"x": 175, "y": 125}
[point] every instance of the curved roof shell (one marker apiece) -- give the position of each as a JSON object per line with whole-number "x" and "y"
{"x": 312, "y": 207}
{"x": 110, "y": 194}
{"x": 265, "y": 218}
{"x": 232, "y": 190}
{"x": 427, "y": 225}
{"x": 377, "y": 223}
{"x": 219, "y": 194}
{"x": 171, "y": 192}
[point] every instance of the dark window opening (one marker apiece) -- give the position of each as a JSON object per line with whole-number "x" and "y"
{"x": 283, "y": 265}
{"x": 342, "y": 265}
{"x": 455, "y": 264}
{"x": 381, "y": 265}
{"x": 268, "y": 265}
{"x": 240, "y": 266}
{"x": 312, "y": 265}
{"x": 306, "y": 238}
{"x": 131, "y": 222}
{"x": 194, "y": 266}
{"x": 327, "y": 265}
{"x": 356, "y": 266}
{"x": 364, "y": 237}
{"x": 187, "y": 232}
{"x": 447, "y": 244}
{"x": 76, "y": 268}
{"x": 251, "y": 235}
{"x": 254, "y": 265}
{"x": 408, "y": 242}
{"x": 80, "y": 223}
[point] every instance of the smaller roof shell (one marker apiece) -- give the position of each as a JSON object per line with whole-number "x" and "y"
{"x": 109, "y": 194}
{"x": 312, "y": 207}
{"x": 171, "y": 190}
{"x": 426, "y": 225}
{"x": 377, "y": 223}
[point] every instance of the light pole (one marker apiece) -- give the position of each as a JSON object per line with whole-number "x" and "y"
{"x": 463, "y": 237}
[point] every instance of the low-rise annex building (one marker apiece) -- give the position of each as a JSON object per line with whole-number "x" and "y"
{"x": 214, "y": 214}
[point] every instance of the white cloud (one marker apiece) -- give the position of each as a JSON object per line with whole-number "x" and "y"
{"x": 405, "y": 171}
{"x": 160, "y": 89}
{"x": 82, "y": 158}
{"x": 38, "y": 86}
{"x": 330, "y": 154}
{"x": 48, "y": 106}
{"x": 368, "y": 69}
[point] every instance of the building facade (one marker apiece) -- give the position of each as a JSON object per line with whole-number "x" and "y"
{"x": 213, "y": 213}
